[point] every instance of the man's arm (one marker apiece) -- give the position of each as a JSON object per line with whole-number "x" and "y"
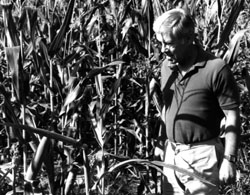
{"x": 232, "y": 132}
{"x": 160, "y": 143}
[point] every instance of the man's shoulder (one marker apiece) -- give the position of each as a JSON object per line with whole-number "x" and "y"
{"x": 213, "y": 62}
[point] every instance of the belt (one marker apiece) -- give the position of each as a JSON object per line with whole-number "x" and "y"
{"x": 207, "y": 142}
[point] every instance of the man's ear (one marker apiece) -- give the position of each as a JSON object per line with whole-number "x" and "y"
{"x": 189, "y": 39}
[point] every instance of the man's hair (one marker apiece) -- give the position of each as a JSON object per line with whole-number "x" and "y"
{"x": 176, "y": 21}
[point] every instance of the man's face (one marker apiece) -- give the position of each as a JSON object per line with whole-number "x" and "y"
{"x": 174, "y": 49}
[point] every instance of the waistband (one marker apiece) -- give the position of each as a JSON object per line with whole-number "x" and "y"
{"x": 207, "y": 142}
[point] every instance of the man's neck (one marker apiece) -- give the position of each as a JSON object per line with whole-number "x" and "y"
{"x": 189, "y": 60}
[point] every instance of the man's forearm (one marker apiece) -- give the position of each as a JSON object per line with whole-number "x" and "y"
{"x": 232, "y": 132}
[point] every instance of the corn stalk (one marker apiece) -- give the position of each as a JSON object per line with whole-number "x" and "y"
{"x": 113, "y": 98}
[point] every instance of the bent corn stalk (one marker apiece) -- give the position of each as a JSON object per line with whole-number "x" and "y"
{"x": 46, "y": 133}
{"x": 156, "y": 165}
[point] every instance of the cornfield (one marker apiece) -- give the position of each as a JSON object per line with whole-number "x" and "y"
{"x": 80, "y": 105}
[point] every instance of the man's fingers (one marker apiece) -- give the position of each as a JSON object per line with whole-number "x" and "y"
{"x": 227, "y": 180}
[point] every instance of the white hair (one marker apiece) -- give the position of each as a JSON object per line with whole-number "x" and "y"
{"x": 176, "y": 21}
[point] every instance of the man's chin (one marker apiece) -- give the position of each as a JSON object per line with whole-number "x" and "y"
{"x": 172, "y": 61}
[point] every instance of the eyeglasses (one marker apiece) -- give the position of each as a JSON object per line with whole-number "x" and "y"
{"x": 166, "y": 45}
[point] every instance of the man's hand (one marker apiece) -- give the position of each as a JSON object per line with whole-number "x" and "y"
{"x": 158, "y": 153}
{"x": 227, "y": 172}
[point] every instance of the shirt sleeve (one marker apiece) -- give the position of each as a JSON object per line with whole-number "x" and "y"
{"x": 226, "y": 90}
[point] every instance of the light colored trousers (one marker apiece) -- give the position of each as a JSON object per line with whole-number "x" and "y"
{"x": 203, "y": 159}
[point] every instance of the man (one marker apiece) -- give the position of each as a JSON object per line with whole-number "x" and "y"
{"x": 198, "y": 91}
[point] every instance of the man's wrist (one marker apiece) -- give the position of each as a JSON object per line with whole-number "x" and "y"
{"x": 231, "y": 158}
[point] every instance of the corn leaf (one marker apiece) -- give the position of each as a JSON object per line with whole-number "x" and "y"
{"x": 28, "y": 22}
{"x": 99, "y": 85}
{"x": 134, "y": 35}
{"x": 42, "y": 68}
{"x": 108, "y": 99}
{"x": 44, "y": 51}
{"x": 44, "y": 132}
{"x": 72, "y": 95}
{"x": 11, "y": 116}
{"x": 147, "y": 21}
{"x": 246, "y": 77}
{"x": 219, "y": 9}
{"x": 192, "y": 6}
{"x": 124, "y": 10}
{"x": 92, "y": 9}
{"x": 89, "y": 20}
{"x": 74, "y": 92}
{"x": 69, "y": 184}
{"x": 49, "y": 166}
{"x": 11, "y": 32}
{"x": 180, "y": 170}
{"x": 13, "y": 55}
{"x": 58, "y": 40}
{"x": 234, "y": 46}
{"x": 36, "y": 162}
{"x": 5, "y": 173}
{"x": 127, "y": 24}
{"x": 155, "y": 94}
{"x": 153, "y": 164}
{"x": 116, "y": 62}
{"x": 236, "y": 8}
{"x": 98, "y": 127}
{"x": 158, "y": 9}
{"x": 132, "y": 132}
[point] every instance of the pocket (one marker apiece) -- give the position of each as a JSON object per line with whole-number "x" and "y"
{"x": 202, "y": 158}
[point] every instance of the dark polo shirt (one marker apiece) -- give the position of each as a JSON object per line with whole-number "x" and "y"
{"x": 194, "y": 103}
